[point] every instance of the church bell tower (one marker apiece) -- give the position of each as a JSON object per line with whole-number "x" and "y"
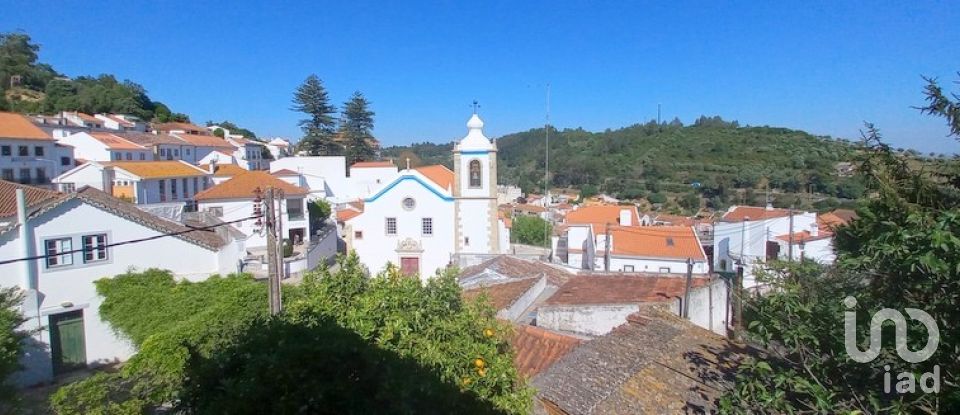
{"x": 475, "y": 192}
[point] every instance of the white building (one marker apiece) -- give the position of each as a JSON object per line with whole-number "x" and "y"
{"x": 141, "y": 182}
{"x": 325, "y": 176}
{"x": 279, "y": 148}
{"x": 234, "y": 200}
{"x": 367, "y": 177}
{"x": 75, "y": 235}
{"x": 249, "y": 153}
{"x": 121, "y": 122}
{"x": 28, "y": 154}
{"x": 429, "y": 217}
{"x": 105, "y": 146}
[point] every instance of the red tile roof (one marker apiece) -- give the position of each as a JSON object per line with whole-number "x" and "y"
{"x": 439, "y": 174}
{"x": 285, "y": 172}
{"x": 501, "y": 295}
{"x": 242, "y": 186}
{"x": 621, "y": 289}
{"x": 225, "y": 170}
{"x": 157, "y": 169}
{"x": 536, "y": 349}
{"x": 17, "y": 126}
{"x": 805, "y": 236}
{"x": 657, "y": 242}
{"x": 600, "y": 215}
{"x": 347, "y": 214}
{"x": 114, "y": 142}
{"x": 739, "y": 213}
{"x": 35, "y": 197}
{"x": 372, "y": 164}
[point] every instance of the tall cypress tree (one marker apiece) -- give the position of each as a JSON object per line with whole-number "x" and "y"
{"x": 356, "y": 127}
{"x": 311, "y": 98}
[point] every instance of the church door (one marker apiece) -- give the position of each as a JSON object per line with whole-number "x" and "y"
{"x": 410, "y": 265}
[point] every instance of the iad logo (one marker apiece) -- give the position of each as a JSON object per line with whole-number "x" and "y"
{"x": 906, "y": 382}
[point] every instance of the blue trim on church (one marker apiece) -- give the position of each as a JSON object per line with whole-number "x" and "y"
{"x": 408, "y": 177}
{"x": 475, "y": 152}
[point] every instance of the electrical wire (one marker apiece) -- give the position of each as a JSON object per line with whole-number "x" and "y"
{"x": 129, "y": 242}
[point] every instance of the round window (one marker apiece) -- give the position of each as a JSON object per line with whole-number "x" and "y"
{"x": 409, "y": 203}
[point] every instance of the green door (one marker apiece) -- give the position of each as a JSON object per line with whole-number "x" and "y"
{"x": 67, "y": 343}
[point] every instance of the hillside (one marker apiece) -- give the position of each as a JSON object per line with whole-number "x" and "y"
{"x": 666, "y": 163}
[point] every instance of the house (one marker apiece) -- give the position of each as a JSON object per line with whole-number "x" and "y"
{"x": 249, "y": 153}
{"x": 595, "y": 303}
{"x": 185, "y": 128}
{"x": 29, "y": 155}
{"x": 749, "y": 235}
{"x": 507, "y": 194}
{"x": 536, "y": 349}
{"x": 655, "y": 363}
{"x": 222, "y": 172}
{"x": 366, "y": 177}
{"x": 204, "y": 145}
{"x": 512, "y": 298}
{"x": 163, "y": 146}
{"x": 291, "y": 177}
{"x": 220, "y": 157}
{"x": 326, "y": 176}
{"x": 279, "y": 148}
{"x": 78, "y": 238}
{"x": 141, "y": 182}
{"x": 235, "y": 198}
{"x": 521, "y": 209}
{"x": 105, "y": 146}
{"x": 429, "y": 217}
{"x": 121, "y": 122}
{"x": 80, "y": 119}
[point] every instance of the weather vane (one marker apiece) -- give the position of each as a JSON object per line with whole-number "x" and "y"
{"x": 476, "y": 106}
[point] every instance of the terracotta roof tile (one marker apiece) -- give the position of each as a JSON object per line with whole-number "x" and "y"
{"x": 676, "y": 220}
{"x": 655, "y": 363}
{"x": 285, "y": 172}
{"x": 242, "y": 186}
{"x": 17, "y": 126}
{"x": 157, "y": 169}
{"x": 513, "y": 267}
{"x": 35, "y": 197}
{"x": 148, "y": 139}
{"x": 347, "y": 214}
{"x": 439, "y": 174}
{"x": 180, "y": 126}
{"x": 805, "y": 236}
{"x": 536, "y": 349}
{"x": 115, "y": 142}
{"x": 621, "y": 289}
{"x": 501, "y": 295}
{"x": 207, "y": 141}
{"x": 225, "y": 170}
{"x": 600, "y": 215}
{"x": 739, "y": 213}
{"x": 657, "y": 242}
{"x": 372, "y": 164}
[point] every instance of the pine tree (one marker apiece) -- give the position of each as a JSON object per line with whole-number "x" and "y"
{"x": 311, "y": 98}
{"x": 356, "y": 127}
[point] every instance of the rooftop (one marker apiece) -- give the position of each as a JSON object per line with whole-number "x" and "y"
{"x": 621, "y": 289}
{"x": 439, "y": 174}
{"x": 115, "y": 142}
{"x": 512, "y": 267}
{"x": 35, "y": 197}
{"x": 189, "y": 128}
{"x": 536, "y": 349}
{"x": 17, "y": 126}
{"x": 372, "y": 164}
{"x": 149, "y": 139}
{"x": 739, "y": 213}
{"x": 602, "y": 215}
{"x": 225, "y": 170}
{"x": 207, "y": 141}
{"x": 655, "y": 363}
{"x": 243, "y": 186}
{"x": 157, "y": 169}
{"x": 501, "y": 295}
{"x": 657, "y": 242}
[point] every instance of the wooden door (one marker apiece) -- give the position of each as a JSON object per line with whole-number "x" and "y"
{"x": 410, "y": 265}
{"x": 67, "y": 343}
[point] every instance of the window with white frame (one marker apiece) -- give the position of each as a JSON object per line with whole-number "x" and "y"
{"x": 628, "y": 268}
{"x": 391, "y": 226}
{"x": 94, "y": 247}
{"x": 426, "y": 226}
{"x": 58, "y": 252}
{"x": 664, "y": 270}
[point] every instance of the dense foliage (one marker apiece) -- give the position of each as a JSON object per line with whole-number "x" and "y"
{"x": 345, "y": 343}
{"x": 710, "y": 159}
{"x": 902, "y": 252}
{"x": 42, "y": 89}
{"x": 531, "y": 230}
{"x": 10, "y": 343}
{"x": 311, "y": 98}
{"x": 356, "y": 127}
{"x": 234, "y": 129}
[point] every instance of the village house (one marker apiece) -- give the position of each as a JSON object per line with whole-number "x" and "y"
{"x": 105, "y": 146}
{"x": 204, "y": 146}
{"x": 249, "y": 153}
{"x": 121, "y": 122}
{"x": 28, "y": 154}
{"x": 179, "y": 128}
{"x": 80, "y": 238}
{"x": 80, "y": 119}
{"x": 222, "y": 172}
{"x": 234, "y": 200}
{"x": 163, "y": 146}
{"x": 325, "y": 176}
{"x": 279, "y": 148}
{"x": 140, "y": 182}
{"x": 367, "y": 177}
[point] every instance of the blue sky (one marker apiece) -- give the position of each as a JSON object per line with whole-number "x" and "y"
{"x": 824, "y": 67}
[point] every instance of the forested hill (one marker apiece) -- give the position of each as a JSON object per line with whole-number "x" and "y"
{"x": 711, "y": 158}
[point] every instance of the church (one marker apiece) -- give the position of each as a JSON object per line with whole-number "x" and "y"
{"x": 429, "y": 217}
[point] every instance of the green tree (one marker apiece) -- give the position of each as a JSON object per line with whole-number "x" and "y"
{"x": 356, "y": 125}
{"x": 318, "y": 128}
{"x": 234, "y": 128}
{"x": 531, "y": 230}
{"x": 10, "y": 344}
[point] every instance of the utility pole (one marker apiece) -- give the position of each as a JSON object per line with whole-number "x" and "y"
{"x": 790, "y": 243}
{"x": 743, "y": 236}
{"x": 737, "y": 304}
{"x": 606, "y": 250}
{"x": 546, "y": 174}
{"x": 686, "y": 291}
{"x": 273, "y": 280}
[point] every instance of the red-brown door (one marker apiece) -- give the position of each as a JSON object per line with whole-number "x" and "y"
{"x": 410, "y": 266}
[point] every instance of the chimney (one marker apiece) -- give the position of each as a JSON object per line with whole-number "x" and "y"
{"x": 626, "y": 219}
{"x": 213, "y": 166}
{"x": 29, "y": 281}
{"x": 108, "y": 176}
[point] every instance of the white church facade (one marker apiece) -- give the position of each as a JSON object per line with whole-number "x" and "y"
{"x": 428, "y": 218}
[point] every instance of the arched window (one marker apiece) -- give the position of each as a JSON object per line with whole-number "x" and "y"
{"x": 475, "y": 173}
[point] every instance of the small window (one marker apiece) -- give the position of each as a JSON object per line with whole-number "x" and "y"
{"x": 409, "y": 203}
{"x": 143, "y": 156}
{"x": 426, "y": 226}
{"x": 466, "y": 240}
{"x": 23, "y": 151}
{"x": 58, "y": 252}
{"x": 129, "y": 156}
{"x": 41, "y": 174}
{"x": 475, "y": 181}
{"x": 176, "y": 153}
{"x": 723, "y": 264}
{"x": 8, "y": 175}
{"x": 64, "y": 161}
{"x": 391, "y": 226}
{"x": 173, "y": 188}
{"x": 628, "y": 268}
{"x": 38, "y": 151}
{"x": 186, "y": 151}
{"x": 25, "y": 175}
{"x": 163, "y": 152}
{"x": 357, "y": 234}
{"x": 163, "y": 190}
{"x": 216, "y": 211}
{"x": 5, "y": 150}
{"x": 94, "y": 248}
{"x": 196, "y": 188}
{"x": 184, "y": 183}
{"x": 664, "y": 270}
{"x": 117, "y": 156}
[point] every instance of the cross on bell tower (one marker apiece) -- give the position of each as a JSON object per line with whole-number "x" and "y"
{"x": 476, "y": 106}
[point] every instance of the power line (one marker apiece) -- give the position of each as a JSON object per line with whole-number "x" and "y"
{"x": 132, "y": 241}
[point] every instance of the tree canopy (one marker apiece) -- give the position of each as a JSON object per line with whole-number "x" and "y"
{"x": 530, "y": 230}
{"x": 356, "y": 125}
{"x": 311, "y": 98}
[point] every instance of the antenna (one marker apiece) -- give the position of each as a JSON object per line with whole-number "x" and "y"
{"x": 546, "y": 173}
